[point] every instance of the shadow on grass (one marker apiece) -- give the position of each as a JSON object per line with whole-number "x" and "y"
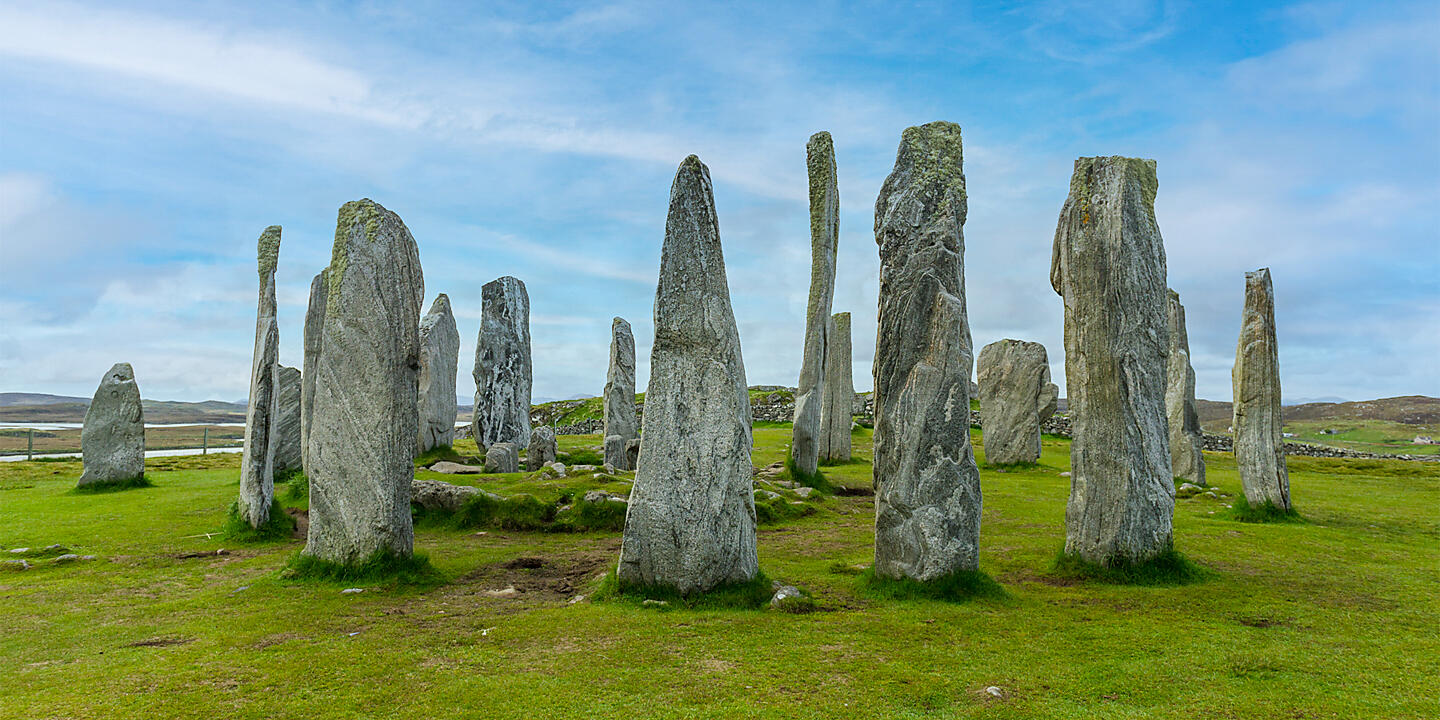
{"x": 383, "y": 567}
{"x": 1167, "y": 568}
{"x": 135, "y": 483}
{"x": 280, "y": 526}
{"x": 1269, "y": 512}
{"x": 751, "y": 595}
{"x": 957, "y": 587}
{"x": 1012, "y": 467}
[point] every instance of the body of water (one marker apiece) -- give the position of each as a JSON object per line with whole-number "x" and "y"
{"x": 148, "y": 453}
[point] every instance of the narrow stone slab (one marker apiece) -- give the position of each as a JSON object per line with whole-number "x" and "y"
{"x": 542, "y": 448}
{"x": 1186, "y": 440}
{"x": 927, "y": 487}
{"x": 454, "y": 468}
{"x": 285, "y": 427}
{"x": 1015, "y": 391}
{"x": 691, "y": 519}
{"x": 619, "y": 400}
{"x": 439, "y": 496}
{"x": 502, "y": 364}
{"x": 1259, "y": 443}
{"x": 112, "y": 441}
{"x": 257, "y": 466}
{"x": 824, "y": 242}
{"x": 502, "y": 457}
{"x": 439, "y": 359}
{"x": 836, "y": 413}
{"x": 1108, "y": 264}
{"x": 314, "y": 339}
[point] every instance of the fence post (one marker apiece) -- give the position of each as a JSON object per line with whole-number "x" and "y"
{"x": 30, "y": 445}
{"x": 205, "y": 447}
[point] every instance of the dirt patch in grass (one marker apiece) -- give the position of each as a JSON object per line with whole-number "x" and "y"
{"x": 302, "y": 523}
{"x": 538, "y": 580}
{"x": 1258, "y": 621}
{"x": 160, "y": 642}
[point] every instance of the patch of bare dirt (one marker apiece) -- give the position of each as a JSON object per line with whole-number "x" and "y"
{"x": 302, "y": 523}
{"x": 160, "y": 642}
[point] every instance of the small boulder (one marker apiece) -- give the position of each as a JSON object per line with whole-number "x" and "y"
{"x": 15, "y": 565}
{"x": 502, "y": 457}
{"x": 804, "y": 492}
{"x": 66, "y": 558}
{"x": 454, "y": 468}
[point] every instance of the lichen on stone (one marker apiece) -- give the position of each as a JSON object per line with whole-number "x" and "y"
{"x": 364, "y": 210}
{"x": 268, "y": 251}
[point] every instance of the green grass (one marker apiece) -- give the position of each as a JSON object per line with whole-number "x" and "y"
{"x": 750, "y": 595}
{"x": 279, "y": 526}
{"x": 1167, "y": 568}
{"x": 1377, "y": 436}
{"x": 958, "y": 586}
{"x": 135, "y": 483}
{"x": 383, "y": 567}
{"x": 1267, "y": 512}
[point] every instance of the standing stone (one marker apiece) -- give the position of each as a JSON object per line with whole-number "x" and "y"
{"x": 112, "y": 441}
{"x": 502, "y": 364}
{"x": 1015, "y": 392}
{"x": 285, "y": 426}
{"x": 835, "y": 412}
{"x": 690, "y": 524}
{"x": 439, "y": 358}
{"x": 619, "y": 400}
{"x": 1186, "y": 441}
{"x": 824, "y": 241}
{"x": 257, "y": 466}
{"x": 502, "y": 457}
{"x": 542, "y": 448}
{"x": 314, "y": 339}
{"x": 1259, "y": 447}
{"x": 927, "y": 487}
{"x": 362, "y": 432}
{"x": 1108, "y": 264}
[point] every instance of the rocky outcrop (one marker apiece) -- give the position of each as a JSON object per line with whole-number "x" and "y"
{"x": 285, "y": 428}
{"x": 1186, "y": 460}
{"x": 824, "y": 241}
{"x": 439, "y": 359}
{"x": 1259, "y": 447}
{"x": 502, "y": 364}
{"x": 1015, "y": 396}
{"x": 836, "y": 412}
{"x": 619, "y": 400}
{"x": 314, "y": 339}
{"x": 257, "y": 466}
{"x": 112, "y": 441}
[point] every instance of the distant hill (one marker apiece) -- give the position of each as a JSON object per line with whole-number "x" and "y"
{"x": 1407, "y": 409}
{"x": 38, "y": 407}
{"x": 16, "y": 398}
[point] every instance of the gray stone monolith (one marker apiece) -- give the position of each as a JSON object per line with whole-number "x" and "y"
{"x": 314, "y": 339}
{"x": 502, "y": 457}
{"x": 691, "y": 519}
{"x": 112, "y": 441}
{"x": 542, "y": 448}
{"x": 365, "y": 417}
{"x": 257, "y": 466}
{"x": 1186, "y": 441}
{"x": 619, "y": 400}
{"x": 502, "y": 365}
{"x": 1259, "y": 443}
{"x": 824, "y": 241}
{"x": 927, "y": 487}
{"x": 1015, "y": 391}
{"x": 285, "y": 424}
{"x": 1108, "y": 264}
{"x": 439, "y": 359}
{"x": 835, "y": 412}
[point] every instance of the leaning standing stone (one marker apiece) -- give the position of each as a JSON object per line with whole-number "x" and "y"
{"x": 439, "y": 358}
{"x": 1259, "y": 447}
{"x": 927, "y": 487}
{"x": 691, "y": 519}
{"x": 824, "y": 240}
{"x": 1186, "y": 442}
{"x": 112, "y": 441}
{"x": 1108, "y": 264}
{"x": 502, "y": 364}
{"x": 285, "y": 427}
{"x": 542, "y": 448}
{"x": 835, "y": 413}
{"x": 362, "y": 434}
{"x": 619, "y": 400}
{"x": 314, "y": 339}
{"x": 257, "y": 478}
{"x": 1015, "y": 391}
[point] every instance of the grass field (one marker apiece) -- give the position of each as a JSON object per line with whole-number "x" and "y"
{"x": 1331, "y": 617}
{"x": 13, "y": 440}
{"x": 1376, "y": 436}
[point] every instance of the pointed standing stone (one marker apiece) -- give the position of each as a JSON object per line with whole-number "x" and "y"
{"x": 690, "y": 524}
{"x": 1015, "y": 391}
{"x": 257, "y": 478}
{"x": 927, "y": 487}
{"x": 1259, "y": 443}
{"x": 619, "y": 400}
{"x": 836, "y": 414}
{"x": 285, "y": 426}
{"x": 1186, "y": 441}
{"x": 824, "y": 241}
{"x": 364, "y": 422}
{"x": 314, "y": 339}
{"x": 502, "y": 365}
{"x": 112, "y": 441}
{"x": 1108, "y": 263}
{"x": 439, "y": 359}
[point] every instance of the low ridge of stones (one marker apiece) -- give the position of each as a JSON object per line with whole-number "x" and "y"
{"x": 824, "y": 241}
{"x": 1016, "y": 396}
{"x": 502, "y": 365}
{"x": 257, "y": 466}
{"x": 439, "y": 360}
{"x": 1259, "y": 444}
{"x": 112, "y": 441}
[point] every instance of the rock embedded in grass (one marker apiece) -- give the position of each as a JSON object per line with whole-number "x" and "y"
{"x": 1015, "y": 392}
{"x": 502, "y": 364}
{"x": 1186, "y": 441}
{"x": 439, "y": 359}
{"x": 1259, "y": 443}
{"x": 112, "y": 441}
{"x": 542, "y": 448}
{"x": 824, "y": 241}
{"x": 618, "y": 403}
{"x": 257, "y": 466}
{"x": 502, "y": 457}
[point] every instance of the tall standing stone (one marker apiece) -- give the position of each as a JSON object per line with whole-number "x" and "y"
{"x": 285, "y": 424}
{"x": 439, "y": 359}
{"x": 314, "y": 340}
{"x": 824, "y": 241}
{"x": 619, "y": 399}
{"x": 1108, "y": 264}
{"x": 927, "y": 487}
{"x": 690, "y": 524}
{"x": 362, "y": 432}
{"x": 257, "y": 466}
{"x": 1186, "y": 442}
{"x": 1259, "y": 443}
{"x": 1015, "y": 392}
{"x": 502, "y": 364}
{"x": 836, "y": 412}
{"x": 112, "y": 441}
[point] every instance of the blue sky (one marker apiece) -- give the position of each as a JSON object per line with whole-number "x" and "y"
{"x": 144, "y": 146}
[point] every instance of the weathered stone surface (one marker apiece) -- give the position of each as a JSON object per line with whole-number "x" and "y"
{"x": 1015, "y": 390}
{"x": 1259, "y": 447}
{"x": 1108, "y": 264}
{"x": 285, "y": 423}
{"x": 439, "y": 358}
{"x": 806, "y": 442}
{"x": 441, "y": 496}
{"x": 542, "y": 448}
{"x": 632, "y": 453}
{"x": 1186, "y": 442}
{"x": 502, "y": 457}
{"x": 691, "y": 520}
{"x": 619, "y": 400}
{"x": 615, "y": 449}
{"x": 927, "y": 487}
{"x": 835, "y": 412}
{"x": 502, "y": 364}
{"x": 314, "y": 339}
{"x": 363, "y": 427}
{"x": 112, "y": 441}
{"x": 257, "y": 466}
{"x": 454, "y": 468}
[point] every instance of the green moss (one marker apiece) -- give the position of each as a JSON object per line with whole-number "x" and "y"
{"x": 365, "y": 211}
{"x": 780, "y": 509}
{"x": 938, "y": 162}
{"x": 280, "y": 526}
{"x": 139, "y": 481}
{"x": 268, "y": 252}
{"x": 959, "y": 586}
{"x": 749, "y": 595}
{"x": 1167, "y": 568}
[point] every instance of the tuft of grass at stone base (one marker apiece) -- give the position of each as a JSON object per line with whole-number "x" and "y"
{"x": 278, "y": 527}
{"x": 137, "y": 482}
{"x": 1168, "y": 568}
{"x": 381, "y": 567}
{"x": 754, "y": 594}
{"x": 957, "y": 587}
{"x": 1242, "y": 511}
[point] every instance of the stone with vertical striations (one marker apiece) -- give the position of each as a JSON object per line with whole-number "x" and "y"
{"x": 314, "y": 339}
{"x": 835, "y": 412}
{"x": 285, "y": 424}
{"x": 690, "y": 524}
{"x": 1259, "y": 444}
{"x": 1186, "y": 441}
{"x": 619, "y": 401}
{"x": 257, "y": 466}
{"x": 502, "y": 457}
{"x": 364, "y": 422}
{"x": 439, "y": 359}
{"x": 502, "y": 365}
{"x": 1015, "y": 392}
{"x": 824, "y": 240}
{"x": 1108, "y": 264}
{"x": 927, "y": 487}
{"x": 542, "y": 448}
{"x": 112, "y": 441}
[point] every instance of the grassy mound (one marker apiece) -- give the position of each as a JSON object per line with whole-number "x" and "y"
{"x": 959, "y": 586}
{"x": 1167, "y": 568}
{"x": 279, "y": 527}
{"x": 752, "y": 595}
{"x": 139, "y": 481}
